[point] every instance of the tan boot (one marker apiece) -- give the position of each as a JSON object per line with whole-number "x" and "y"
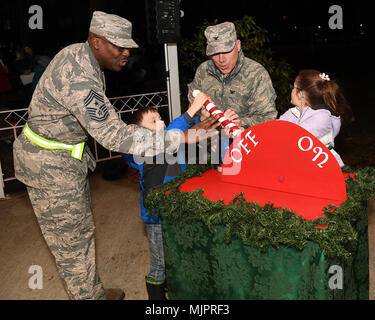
{"x": 114, "y": 294}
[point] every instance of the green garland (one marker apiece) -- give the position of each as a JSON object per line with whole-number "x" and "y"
{"x": 267, "y": 226}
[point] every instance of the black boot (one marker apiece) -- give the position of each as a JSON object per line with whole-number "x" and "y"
{"x": 155, "y": 289}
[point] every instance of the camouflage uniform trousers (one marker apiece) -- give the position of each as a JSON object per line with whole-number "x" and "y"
{"x": 66, "y": 221}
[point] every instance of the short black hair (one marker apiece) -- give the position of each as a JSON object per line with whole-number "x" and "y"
{"x": 137, "y": 116}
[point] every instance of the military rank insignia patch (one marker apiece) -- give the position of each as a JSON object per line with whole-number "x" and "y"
{"x": 96, "y": 107}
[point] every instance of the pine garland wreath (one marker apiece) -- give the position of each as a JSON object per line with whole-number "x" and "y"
{"x": 267, "y": 226}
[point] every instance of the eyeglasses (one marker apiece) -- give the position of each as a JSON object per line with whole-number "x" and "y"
{"x": 292, "y": 87}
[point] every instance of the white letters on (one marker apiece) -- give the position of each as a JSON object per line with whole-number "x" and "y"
{"x": 318, "y": 150}
{"x": 310, "y": 143}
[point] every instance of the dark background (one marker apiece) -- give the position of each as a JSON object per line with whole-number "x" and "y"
{"x": 298, "y": 30}
{"x": 298, "y": 33}
{"x": 67, "y": 21}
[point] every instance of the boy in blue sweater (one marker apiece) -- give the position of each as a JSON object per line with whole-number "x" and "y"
{"x": 156, "y": 173}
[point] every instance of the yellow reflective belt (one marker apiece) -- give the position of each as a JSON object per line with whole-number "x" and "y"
{"x": 76, "y": 149}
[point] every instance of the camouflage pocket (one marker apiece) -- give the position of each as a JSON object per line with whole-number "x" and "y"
{"x": 27, "y": 162}
{"x": 60, "y": 170}
{"x": 89, "y": 158}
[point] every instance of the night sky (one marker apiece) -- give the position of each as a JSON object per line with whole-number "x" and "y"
{"x": 67, "y": 21}
{"x": 291, "y": 26}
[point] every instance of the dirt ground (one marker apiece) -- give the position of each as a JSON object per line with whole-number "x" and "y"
{"x": 121, "y": 244}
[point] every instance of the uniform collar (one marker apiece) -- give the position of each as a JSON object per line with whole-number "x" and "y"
{"x": 95, "y": 64}
{"x": 93, "y": 60}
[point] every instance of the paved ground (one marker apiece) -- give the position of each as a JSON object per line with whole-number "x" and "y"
{"x": 122, "y": 246}
{"x": 121, "y": 241}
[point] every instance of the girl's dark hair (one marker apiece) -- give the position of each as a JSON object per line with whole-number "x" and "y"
{"x": 137, "y": 116}
{"x": 320, "y": 91}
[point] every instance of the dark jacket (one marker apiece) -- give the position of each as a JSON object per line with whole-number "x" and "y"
{"x": 155, "y": 174}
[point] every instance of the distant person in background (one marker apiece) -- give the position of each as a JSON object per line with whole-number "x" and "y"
{"x": 319, "y": 107}
{"x": 29, "y": 54}
{"x": 5, "y": 85}
{"x": 23, "y": 67}
{"x": 23, "y": 64}
{"x": 41, "y": 65}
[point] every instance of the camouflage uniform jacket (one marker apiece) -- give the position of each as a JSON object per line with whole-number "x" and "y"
{"x": 68, "y": 104}
{"x": 247, "y": 90}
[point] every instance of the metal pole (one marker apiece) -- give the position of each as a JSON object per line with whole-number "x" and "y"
{"x": 2, "y": 195}
{"x": 168, "y": 81}
{"x": 173, "y": 81}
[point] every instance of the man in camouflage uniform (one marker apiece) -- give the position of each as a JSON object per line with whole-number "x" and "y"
{"x": 232, "y": 80}
{"x": 50, "y": 157}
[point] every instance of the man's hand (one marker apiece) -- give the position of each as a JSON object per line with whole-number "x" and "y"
{"x": 202, "y": 130}
{"x": 232, "y": 116}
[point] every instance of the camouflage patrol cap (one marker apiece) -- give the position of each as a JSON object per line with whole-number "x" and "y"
{"x": 115, "y": 29}
{"x": 220, "y": 38}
